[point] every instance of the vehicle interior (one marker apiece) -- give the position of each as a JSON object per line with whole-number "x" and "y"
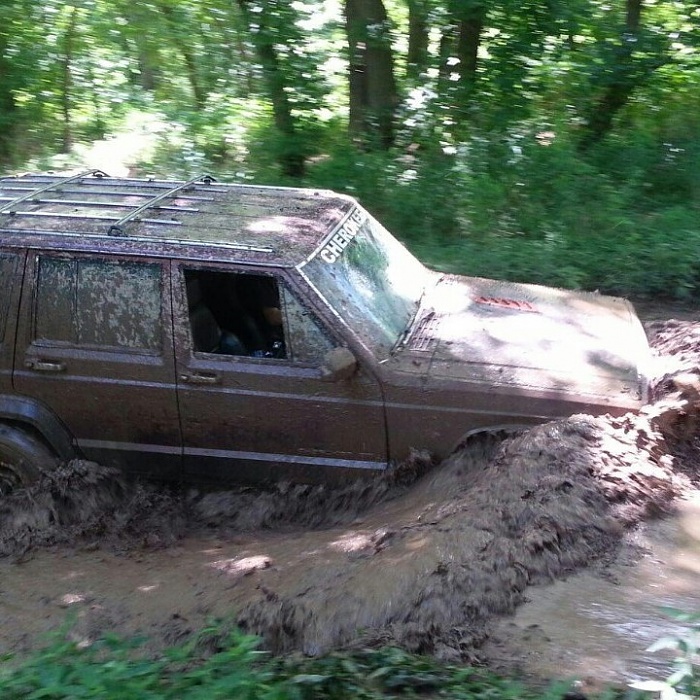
{"x": 235, "y": 314}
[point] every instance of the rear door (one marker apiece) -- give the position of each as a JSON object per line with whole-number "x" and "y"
{"x": 95, "y": 345}
{"x": 252, "y": 401}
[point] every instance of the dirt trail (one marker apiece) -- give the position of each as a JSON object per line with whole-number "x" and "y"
{"x": 424, "y": 560}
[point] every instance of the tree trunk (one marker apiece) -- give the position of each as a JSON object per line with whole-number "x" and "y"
{"x": 8, "y": 106}
{"x": 140, "y": 40}
{"x": 100, "y": 126}
{"x": 67, "y": 79}
{"x": 291, "y": 159}
{"x": 198, "y": 92}
{"x": 200, "y": 96}
{"x": 459, "y": 55}
{"x": 626, "y": 78}
{"x": 373, "y": 92}
{"x": 470, "y": 27}
{"x": 634, "y": 15}
{"x": 417, "y": 38}
{"x": 147, "y": 63}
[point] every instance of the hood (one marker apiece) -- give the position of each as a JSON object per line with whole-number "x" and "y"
{"x": 582, "y": 345}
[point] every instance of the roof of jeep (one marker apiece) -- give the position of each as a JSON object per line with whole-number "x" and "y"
{"x": 197, "y": 219}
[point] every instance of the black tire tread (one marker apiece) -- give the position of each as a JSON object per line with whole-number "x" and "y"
{"x": 34, "y": 457}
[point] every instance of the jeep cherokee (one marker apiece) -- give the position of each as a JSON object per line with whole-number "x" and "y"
{"x": 198, "y": 330}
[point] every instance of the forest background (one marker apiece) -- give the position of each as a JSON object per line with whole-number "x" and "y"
{"x": 549, "y": 141}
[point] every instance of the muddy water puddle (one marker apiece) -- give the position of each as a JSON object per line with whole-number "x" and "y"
{"x": 598, "y": 625}
{"x": 166, "y": 594}
{"x": 429, "y": 569}
{"x": 594, "y": 625}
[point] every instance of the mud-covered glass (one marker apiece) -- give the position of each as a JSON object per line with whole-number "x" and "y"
{"x": 369, "y": 279}
{"x": 307, "y": 341}
{"x": 8, "y": 264}
{"x": 99, "y": 303}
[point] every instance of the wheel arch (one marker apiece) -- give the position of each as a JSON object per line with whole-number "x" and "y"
{"x": 505, "y": 429}
{"x": 27, "y": 413}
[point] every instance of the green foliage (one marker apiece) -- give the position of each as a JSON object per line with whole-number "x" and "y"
{"x": 487, "y": 180}
{"x": 391, "y": 672}
{"x": 685, "y": 678}
{"x": 526, "y": 205}
{"x": 112, "y": 668}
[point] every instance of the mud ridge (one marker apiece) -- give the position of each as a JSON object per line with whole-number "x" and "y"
{"x": 551, "y": 501}
{"x": 305, "y": 505}
{"x": 83, "y": 504}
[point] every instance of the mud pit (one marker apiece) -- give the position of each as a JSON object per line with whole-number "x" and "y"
{"x": 427, "y": 559}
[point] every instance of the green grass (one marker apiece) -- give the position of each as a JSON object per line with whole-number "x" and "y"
{"x": 214, "y": 667}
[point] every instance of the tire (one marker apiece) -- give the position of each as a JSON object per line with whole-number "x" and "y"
{"x": 23, "y": 459}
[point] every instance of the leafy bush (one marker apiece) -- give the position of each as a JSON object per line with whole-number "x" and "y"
{"x": 236, "y": 669}
{"x": 685, "y": 679}
{"x": 523, "y": 207}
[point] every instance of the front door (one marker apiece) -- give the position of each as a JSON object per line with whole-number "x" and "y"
{"x": 252, "y": 401}
{"x": 95, "y": 346}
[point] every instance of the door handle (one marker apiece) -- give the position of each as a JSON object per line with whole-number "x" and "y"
{"x": 45, "y": 365}
{"x": 201, "y": 378}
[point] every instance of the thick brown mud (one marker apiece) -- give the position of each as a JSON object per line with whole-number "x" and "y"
{"x": 424, "y": 558}
{"x": 428, "y": 571}
{"x": 83, "y": 504}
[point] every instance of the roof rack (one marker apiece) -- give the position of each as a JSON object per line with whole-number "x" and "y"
{"x": 94, "y": 189}
{"x": 90, "y": 217}
{"x": 9, "y": 208}
{"x": 117, "y": 229}
{"x": 108, "y": 205}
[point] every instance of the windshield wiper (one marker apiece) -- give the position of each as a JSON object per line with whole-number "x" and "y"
{"x": 406, "y": 333}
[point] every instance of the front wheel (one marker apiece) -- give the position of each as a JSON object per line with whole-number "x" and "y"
{"x": 23, "y": 458}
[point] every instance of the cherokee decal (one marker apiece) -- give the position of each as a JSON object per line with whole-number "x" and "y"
{"x": 339, "y": 241}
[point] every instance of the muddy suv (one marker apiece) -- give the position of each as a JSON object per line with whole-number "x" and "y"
{"x": 200, "y": 330}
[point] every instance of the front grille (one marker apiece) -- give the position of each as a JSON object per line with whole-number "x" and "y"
{"x": 424, "y": 336}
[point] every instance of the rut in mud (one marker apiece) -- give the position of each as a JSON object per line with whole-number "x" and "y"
{"x": 85, "y": 504}
{"x": 422, "y": 558}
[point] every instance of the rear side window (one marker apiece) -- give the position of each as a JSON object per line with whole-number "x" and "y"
{"x": 99, "y": 303}
{"x": 8, "y": 266}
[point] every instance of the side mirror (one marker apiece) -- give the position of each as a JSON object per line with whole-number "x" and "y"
{"x": 338, "y": 364}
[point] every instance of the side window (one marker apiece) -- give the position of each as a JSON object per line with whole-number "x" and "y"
{"x": 250, "y": 315}
{"x": 98, "y": 303}
{"x": 307, "y": 340}
{"x": 235, "y": 314}
{"x": 8, "y": 266}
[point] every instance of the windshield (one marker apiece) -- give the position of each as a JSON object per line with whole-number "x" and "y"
{"x": 369, "y": 279}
